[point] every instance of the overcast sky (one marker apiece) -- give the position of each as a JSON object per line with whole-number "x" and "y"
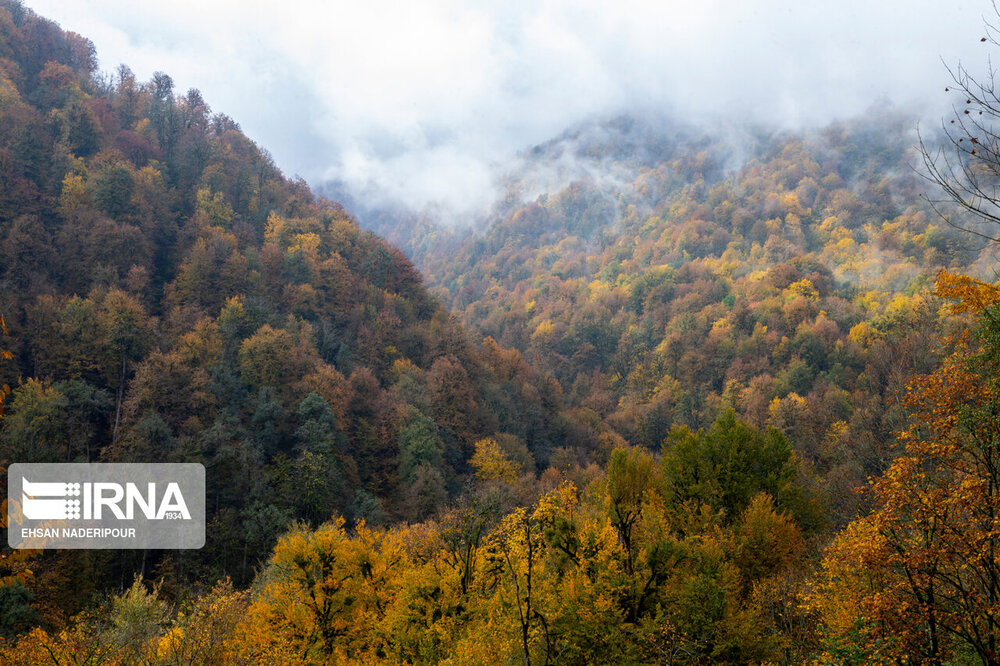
{"x": 420, "y": 98}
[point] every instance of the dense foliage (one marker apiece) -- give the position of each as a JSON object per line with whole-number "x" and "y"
{"x": 793, "y": 290}
{"x": 919, "y": 576}
{"x": 640, "y": 565}
{"x": 170, "y": 296}
{"x": 683, "y": 367}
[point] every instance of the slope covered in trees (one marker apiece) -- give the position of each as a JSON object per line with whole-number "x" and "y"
{"x": 638, "y": 566}
{"x": 683, "y": 366}
{"x": 170, "y": 296}
{"x": 702, "y": 554}
{"x": 667, "y": 287}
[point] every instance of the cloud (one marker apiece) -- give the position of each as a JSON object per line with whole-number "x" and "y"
{"x": 419, "y": 102}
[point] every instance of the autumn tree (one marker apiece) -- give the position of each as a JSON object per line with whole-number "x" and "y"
{"x": 513, "y": 557}
{"x": 920, "y": 574}
{"x": 126, "y": 333}
{"x": 630, "y": 474}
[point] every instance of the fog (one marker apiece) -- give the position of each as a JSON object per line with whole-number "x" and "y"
{"x": 422, "y": 104}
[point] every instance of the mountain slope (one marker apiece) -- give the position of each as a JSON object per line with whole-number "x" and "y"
{"x": 170, "y": 296}
{"x": 665, "y": 289}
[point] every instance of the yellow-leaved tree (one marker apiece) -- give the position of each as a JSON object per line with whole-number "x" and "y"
{"x": 918, "y": 578}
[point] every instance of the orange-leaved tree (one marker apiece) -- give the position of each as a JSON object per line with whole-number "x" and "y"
{"x": 918, "y": 578}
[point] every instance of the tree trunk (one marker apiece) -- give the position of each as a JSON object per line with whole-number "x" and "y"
{"x": 118, "y": 407}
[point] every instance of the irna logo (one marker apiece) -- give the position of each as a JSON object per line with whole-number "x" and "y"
{"x": 48, "y": 500}
{"x": 106, "y": 505}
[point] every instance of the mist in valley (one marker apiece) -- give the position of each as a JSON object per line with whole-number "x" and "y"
{"x": 426, "y": 110}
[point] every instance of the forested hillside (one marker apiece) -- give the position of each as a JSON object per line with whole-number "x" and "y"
{"x": 668, "y": 287}
{"x": 683, "y": 397}
{"x": 170, "y": 296}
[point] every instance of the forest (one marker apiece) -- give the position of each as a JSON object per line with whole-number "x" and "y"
{"x": 717, "y": 406}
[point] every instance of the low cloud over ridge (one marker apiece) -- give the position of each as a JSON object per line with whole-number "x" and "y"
{"x": 418, "y": 103}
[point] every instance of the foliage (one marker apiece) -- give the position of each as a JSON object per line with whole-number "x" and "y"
{"x": 619, "y": 572}
{"x": 918, "y": 576}
{"x": 790, "y": 286}
{"x": 171, "y": 296}
{"x": 684, "y": 373}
